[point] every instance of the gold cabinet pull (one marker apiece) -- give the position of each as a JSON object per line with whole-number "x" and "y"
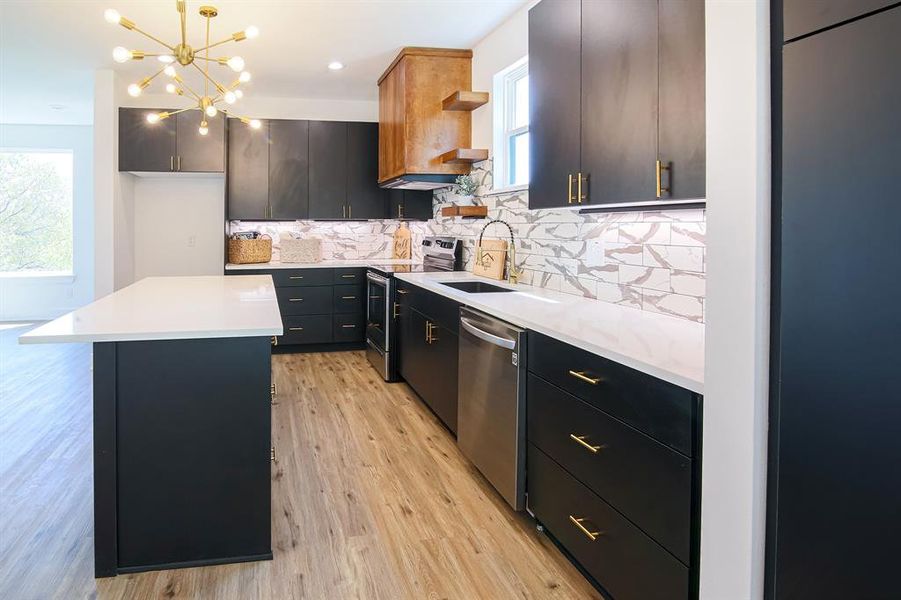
{"x": 274, "y": 341}
{"x": 350, "y": 211}
{"x": 569, "y": 189}
{"x": 178, "y": 163}
{"x": 273, "y": 392}
{"x": 348, "y": 297}
{"x": 395, "y": 313}
{"x": 580, "y": 439}
{"x": 584, "y": 377}
{"x": 295, "y": 299}
{"x": 429, "y": 328}
{"x": 295, "y": 328}
{"x": 402, "y": 292}
{"x": 171, "y": 163}
{"x": 295, "y": 277}
{"x": 274, "y": 458}
{"x": 592, "y": 535}
{"x": 660, "y": 168}
{"x": 400, "y": 211}
{"x": 348, "y": 276}
{"x": 579, "y": 195}
{"x": 348, "y": 326}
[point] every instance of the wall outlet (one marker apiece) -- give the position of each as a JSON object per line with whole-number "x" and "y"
{"x": 192, "y": 241}
{"x": 594, "y": 253}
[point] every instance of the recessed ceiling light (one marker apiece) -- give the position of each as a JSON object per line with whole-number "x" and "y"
{"x": 335, "y": 65}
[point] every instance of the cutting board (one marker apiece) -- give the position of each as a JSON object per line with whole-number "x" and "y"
{"x": 403, "y": 245}
{"x": 490, "y": 258}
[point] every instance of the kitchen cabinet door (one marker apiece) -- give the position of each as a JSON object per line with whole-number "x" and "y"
{"x": 289, "y": 169}
{"x": 802, "y": 17}
{"x": 248, "y": 171}
{"x": 365, "y": 199}
{"x": 443, "y": 360}
{"x": 197, "y": 153}
{"x": 619, "y": 101}
{"x": 328, "y": 170}
{"x": 681, "y": 127}
{"x": 554, "y": 84}
{"x": 414, "y": 361}
{"x": 144, "y": 146}
{"x": 413, "y": 205}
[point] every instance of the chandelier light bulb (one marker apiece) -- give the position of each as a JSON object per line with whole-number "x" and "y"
{"x": 252, "y": 32}
{"x": 121, "y": 55}
{"x": 169, "y": 71}
{"x": 112, "y": 16}
{"x": 230, "y": 97}
{"x": 211, "y": 111}
{"x": 166, "y": 58}
{"x": 335, "y": 66}
{"x": 153, "y": 118}
{"x": 204, "y": 128}
{"x": 134, "y": 90}
{"x": 235, "y": 63}
{"x": 244, "y": 77}
{"x": 255, "y": 123}
{"x": 239, "y": 94}
{"x": 170, "y": 87}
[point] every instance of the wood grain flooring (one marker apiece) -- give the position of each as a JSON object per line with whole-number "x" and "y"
{"x": 371, "y": 498}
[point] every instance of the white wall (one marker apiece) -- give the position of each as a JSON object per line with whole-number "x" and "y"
{"x": 179, "y": 225}
{"x": 31, "y": 298}
{"x": 738, "y": 221}
{"x": 276, "y": 108}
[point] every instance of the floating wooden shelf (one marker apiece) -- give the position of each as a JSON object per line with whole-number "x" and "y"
{"x": 469, "y": 212}
{"x": 463, "y": 156}
{"x": 465, "y": 100}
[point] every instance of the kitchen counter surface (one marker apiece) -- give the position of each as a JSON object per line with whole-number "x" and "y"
{"x": 666, "y": 347}
{"x": 171, "y": 308}
{"x": 325, "y": 264}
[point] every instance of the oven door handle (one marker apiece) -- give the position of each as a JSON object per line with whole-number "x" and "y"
{"x": 376, "y": 278}
{"x": 488, "y": 337}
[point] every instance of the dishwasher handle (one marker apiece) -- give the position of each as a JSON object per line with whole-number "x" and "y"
{"x": 488, "y": 337}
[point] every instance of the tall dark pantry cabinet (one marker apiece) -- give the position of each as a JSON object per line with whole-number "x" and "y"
{"x": 834, "y": 492}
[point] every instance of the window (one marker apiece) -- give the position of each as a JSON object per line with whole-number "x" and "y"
{"x": 35, "y": 211}
{"x": 511, "y": 125}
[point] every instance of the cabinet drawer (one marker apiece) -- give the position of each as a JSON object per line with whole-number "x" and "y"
{"x": 436, "y": 308}
{"x": 347, "y": 299}
{"x": 625, "y": 561}
{"x": 349, "y": 275}
{"x": 295, "y": 277}
{"x": 660, "y": 409}
{"x": 313, "y": 329}
{"x": 643, "y": 479}
{"x": 348, "y": 328}
{"x": 304, "y": 300}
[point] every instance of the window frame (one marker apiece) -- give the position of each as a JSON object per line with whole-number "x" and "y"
{"x": 504, "y": 131}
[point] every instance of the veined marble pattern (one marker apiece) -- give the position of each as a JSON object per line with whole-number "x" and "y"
{"x": 649, "y": 260}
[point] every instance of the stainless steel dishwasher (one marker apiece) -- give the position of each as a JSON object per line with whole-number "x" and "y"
{"x": 491, "y": 401}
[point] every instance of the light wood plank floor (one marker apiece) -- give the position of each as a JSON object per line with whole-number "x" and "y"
{"x": 371, "y": 498}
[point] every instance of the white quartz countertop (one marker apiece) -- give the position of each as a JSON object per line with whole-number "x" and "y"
{"x": 665, "y": 347}
{"x": 171, "y": 308}
{"x": 325, "y": 264}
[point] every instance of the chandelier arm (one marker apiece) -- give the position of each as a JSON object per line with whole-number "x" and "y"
{"x": 181, "y": 110}
{"x": 180, "y": 5}
{"x": 207, "y": 58}
{"x": 215, "y": 83}
{"x": 155, "y": 75}
{"x": 152, "y": 37}
{"x": 189, "y": 90}
{"x": 207, "y": 66}
{"x": 219, "y": 43}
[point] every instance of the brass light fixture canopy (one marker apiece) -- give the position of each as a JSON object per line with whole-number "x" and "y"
{"x": 186, "y": 56}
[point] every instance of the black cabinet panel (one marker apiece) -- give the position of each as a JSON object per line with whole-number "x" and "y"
{"x": 144, "y": 146}
{"x": 681, "y": 127}
{"x": 834, "y": 423}
{"x": 619, "y": 101}
{"x": 349, "y": 275}
{"x": 644, "y": 480}
{"x": 304, "y": 300}
{"x": 248, "y": 171}
{"x": 629, "y": 564}
{"x": 430, "y": 367}
{"x": 288, "y": 169}
{"x": 301, "y": 277}
{"x": 348, "y": 298}
{"x": 802, "y": 17}
{"x": 418, "y": 205}
{"x": 328, "y": 170}
{"x": 197, "y": 153}
{"x": 554, "y": 100}
{"x": 444, "y": 311}
{"x": 310, "y": 329}
{"x": 365, "y": 199}
{"x": 414, "y": 359}
{"x": 348, "y": 328}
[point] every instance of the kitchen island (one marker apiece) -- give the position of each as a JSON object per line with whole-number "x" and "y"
{"x": 181, "y": 419}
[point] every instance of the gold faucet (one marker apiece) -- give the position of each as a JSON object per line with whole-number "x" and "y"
{"x": 513, "y": 273}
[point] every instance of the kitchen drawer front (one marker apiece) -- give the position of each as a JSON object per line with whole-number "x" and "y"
{"x": 438, "y": 309}
{"x": 348, "y": 298}
{"x": 349, "y": 276}
{"x": 348, "y": 328}
{"x": 644, "y": 480}
{"x": 312, "y": 329}
{"x": 660, "y": 409}
{"x": 299, "y": 277}
{"x": 625, "y": 561}
{"x": 304, "y": 300}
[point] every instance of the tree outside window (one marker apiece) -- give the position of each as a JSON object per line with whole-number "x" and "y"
{"x": 35, "y": 211}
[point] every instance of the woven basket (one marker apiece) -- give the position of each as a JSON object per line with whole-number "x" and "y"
{"x": 250, "y": 251}
{"x": 308, "y": 250}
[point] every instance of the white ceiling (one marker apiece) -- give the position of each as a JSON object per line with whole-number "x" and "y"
{"x": 50, "y": 48}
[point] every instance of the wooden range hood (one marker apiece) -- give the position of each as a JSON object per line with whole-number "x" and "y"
{"x": 425, "y": 120}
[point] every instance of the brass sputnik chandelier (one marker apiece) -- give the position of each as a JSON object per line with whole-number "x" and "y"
{"x": 184, "y": 55}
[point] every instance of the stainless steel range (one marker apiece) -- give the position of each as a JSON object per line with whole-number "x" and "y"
{"x": 438, "y": 254}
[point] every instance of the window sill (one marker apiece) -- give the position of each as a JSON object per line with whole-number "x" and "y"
{"x": 51, "y": 276}
{"x": 508, "y": 190}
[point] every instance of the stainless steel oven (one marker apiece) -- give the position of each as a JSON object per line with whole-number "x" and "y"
{"x": 379, "y": 294}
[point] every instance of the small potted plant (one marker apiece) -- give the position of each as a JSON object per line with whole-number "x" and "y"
{"x": 465, "y": 187}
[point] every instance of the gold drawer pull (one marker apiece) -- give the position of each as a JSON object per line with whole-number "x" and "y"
{"x": 348, "y": 326}
{"x": 274, "y": 458}
{"x": 348, "y": 276}
{"x": 395, "y": 313}
{"x": 348, "y": 297}
{"x": 402, "y": 292}
{"x": 580, "y": 439}
{"x": 301, "y": 300}
{"x": 581, "y": 375}
{"x": 295, "y": 328}
{"x": 592, "y": 535}
{"x": 273, "y": 340}
{"x": 295, "y": 277}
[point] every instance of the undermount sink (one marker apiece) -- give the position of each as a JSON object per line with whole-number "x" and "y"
{"x": 475, "y": 287}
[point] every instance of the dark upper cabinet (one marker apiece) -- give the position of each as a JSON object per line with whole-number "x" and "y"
{"x": 802, "y": 17}
{"x": 288, "y": 169}
{"x": 554, "y": 83}
{"x": 248, "y": 171}
{"x": 144, "y": 146}
{"x": 413, "y": 205}
{"x": 680, "y": 75}
{"x": 328, "y": 170}
{"x": 615, "y": 87}
{"x": 365, "y": 199}
{"x": 197, "y": 153}
{"x": 619, "y": 101}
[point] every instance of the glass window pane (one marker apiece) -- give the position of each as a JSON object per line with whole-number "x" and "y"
{"x": 35, "y": 211}
{"x": 518, "y": 171}
{"x": 521, "y": 102}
